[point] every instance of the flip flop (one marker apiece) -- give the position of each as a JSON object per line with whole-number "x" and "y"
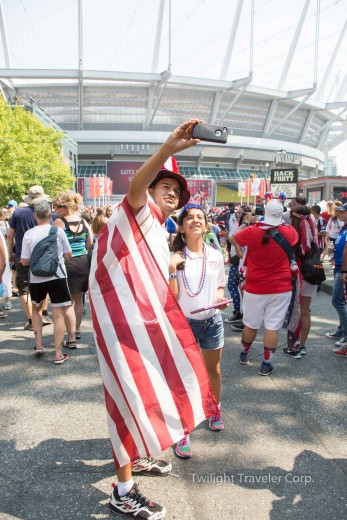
{"x": 38, "y": 351}
{"x": 61, "y": 361}
{"x": 2, "y": 315}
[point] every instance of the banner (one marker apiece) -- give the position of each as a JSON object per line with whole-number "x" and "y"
{"x": 121, "y": 173}
{"x": 80, "y": 186}
{"x": 285, "y": 181}
{"x": 241, "y": 189}
{"x": 200, "y": 191}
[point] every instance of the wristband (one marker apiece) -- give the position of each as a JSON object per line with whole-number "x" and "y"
{"x": 172, "y": 276}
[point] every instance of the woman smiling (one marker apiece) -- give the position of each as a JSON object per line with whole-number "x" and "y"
{"x": 200, "y": 284}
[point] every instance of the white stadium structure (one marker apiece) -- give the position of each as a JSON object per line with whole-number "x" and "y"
{"x": 278, "y": 79}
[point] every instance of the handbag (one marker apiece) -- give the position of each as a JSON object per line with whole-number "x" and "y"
{"x": 312, "y": 267}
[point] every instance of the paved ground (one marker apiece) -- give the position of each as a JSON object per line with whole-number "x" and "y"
{"x": 282, "y": 455}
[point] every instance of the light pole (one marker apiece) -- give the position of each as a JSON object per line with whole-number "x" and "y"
{"x": 99, "y": 188}
{"x": 94, "y": 186}
{"x": 103, "y": 191}
{"x": 282, "y": 153}
{"x": 267, "y": 177}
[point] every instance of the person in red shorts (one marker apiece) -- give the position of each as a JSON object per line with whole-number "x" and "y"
{"x": 268, "y": 285}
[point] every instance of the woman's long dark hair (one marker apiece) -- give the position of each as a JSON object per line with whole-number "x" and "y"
{"x": 296, "y": 222}
{"x": 179, "y": 240}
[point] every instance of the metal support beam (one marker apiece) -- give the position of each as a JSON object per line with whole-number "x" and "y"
{"x": 324, "y": 130}
{"x": 236, "y": 84}
{"x": 80, "y": 64}
{"x": 150, "y": 98}
{"x": 342, "y": 89}
{"x": 270, "y": 116}
{"x": 327, "y": 74}
{"x": 3, "y": 35}
{"x": 239, "y": 94}
{"x": 232, "y": 36}
{"x": 156, "y": 48}
{"x": 290, "y": 113}
{"x": 293, "y": 45}
{"x": 309, "y": 120}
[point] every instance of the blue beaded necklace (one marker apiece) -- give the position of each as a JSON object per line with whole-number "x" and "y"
{"x": 191, "y": 293}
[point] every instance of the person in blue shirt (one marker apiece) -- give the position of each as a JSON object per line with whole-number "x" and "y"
{"x": 338, "y": 296}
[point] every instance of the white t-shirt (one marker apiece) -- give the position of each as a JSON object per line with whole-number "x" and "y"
{"x": 155, "y": 235}
{"x": 34, "y": 235}
{"x": 215, "y": 277}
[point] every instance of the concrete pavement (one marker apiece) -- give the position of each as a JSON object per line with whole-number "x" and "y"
{"x": 281, "y": 456}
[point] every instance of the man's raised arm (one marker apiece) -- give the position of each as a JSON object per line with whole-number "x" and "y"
{"x": 178, "y": 140}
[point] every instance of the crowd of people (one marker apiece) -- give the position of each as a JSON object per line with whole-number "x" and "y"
{"x": 168, "y": 257}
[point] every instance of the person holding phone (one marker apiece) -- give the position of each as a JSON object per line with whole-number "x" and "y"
{"x": 199, "y": 284}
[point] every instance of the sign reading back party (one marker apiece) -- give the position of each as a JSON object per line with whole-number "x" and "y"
{"x": 285, "y": 181}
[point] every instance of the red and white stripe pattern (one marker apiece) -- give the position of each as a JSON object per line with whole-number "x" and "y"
{"x": 155, "y": 381}
{"x": 171, "y": 165}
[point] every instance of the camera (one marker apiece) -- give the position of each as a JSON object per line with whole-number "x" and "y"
{"x": 210, "y": 133}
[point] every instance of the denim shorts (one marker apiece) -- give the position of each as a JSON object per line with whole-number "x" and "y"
{"x": 209, "y": 333}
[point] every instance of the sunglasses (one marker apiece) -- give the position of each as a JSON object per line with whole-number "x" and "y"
{"x": 59, "y": 207}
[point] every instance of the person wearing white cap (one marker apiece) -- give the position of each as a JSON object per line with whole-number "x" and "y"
{"x": 22, "y": 220}
{"x": 268, "y": 285}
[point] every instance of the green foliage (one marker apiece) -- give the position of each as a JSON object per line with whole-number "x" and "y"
{"x": 30, "y": 154}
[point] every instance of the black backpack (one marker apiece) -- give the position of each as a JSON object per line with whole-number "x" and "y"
{"x": 312, "y": 267}
{"x": 44, "y": 259}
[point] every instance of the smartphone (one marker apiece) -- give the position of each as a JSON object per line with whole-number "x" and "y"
{"x": 211, "y": 133}
{"x": 214, "y": 306}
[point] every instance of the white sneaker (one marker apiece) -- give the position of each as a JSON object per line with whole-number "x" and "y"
{"x": 341, "y": 343}
{"x": 8, "y": 306}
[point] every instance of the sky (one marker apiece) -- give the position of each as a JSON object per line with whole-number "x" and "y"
{"x": 120, "y": 36}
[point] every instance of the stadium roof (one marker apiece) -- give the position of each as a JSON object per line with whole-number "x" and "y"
{"x": 274, "y": 72}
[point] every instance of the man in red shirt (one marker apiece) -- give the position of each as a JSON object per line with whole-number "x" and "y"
{"x": 268, "y": 287}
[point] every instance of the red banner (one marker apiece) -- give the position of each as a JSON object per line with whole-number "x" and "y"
{"x": 200, "y": 191}
{"x": 80, "y": 186}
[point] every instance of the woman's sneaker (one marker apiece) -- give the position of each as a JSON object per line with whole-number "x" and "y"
{"x": 183, "y": 449}
{"x": 8, "y": 306}
{"x": 333, "y": 335}
{"x": 341, "y": 352}
{"x": 135, "y": 505}
{"x": 216, "y": 422}
{"x": 244, "y": 358}
{"x": 151, "y": 466}
{"x": 239, "y": 326}
{"x": 234, "y": 318}
{"x": 295, "y": 354}
{"x": 265, "y": 369}
{"x": 341, "y": 343}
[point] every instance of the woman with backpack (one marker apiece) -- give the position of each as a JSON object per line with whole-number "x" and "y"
{"x": 43, "y": 280}
{"x": 80, "y": 237}
{"x": 303, "y": 223}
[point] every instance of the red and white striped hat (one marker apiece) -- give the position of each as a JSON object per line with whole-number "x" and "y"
{"x": 170, "y": 169}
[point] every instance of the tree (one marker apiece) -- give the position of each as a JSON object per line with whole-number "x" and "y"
{"x": 30, "y": 154}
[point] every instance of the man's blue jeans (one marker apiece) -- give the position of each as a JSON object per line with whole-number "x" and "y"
{"x": 339, "y": 302}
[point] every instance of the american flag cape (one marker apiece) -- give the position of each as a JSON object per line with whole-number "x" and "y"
{"x": 155, "y": 381}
